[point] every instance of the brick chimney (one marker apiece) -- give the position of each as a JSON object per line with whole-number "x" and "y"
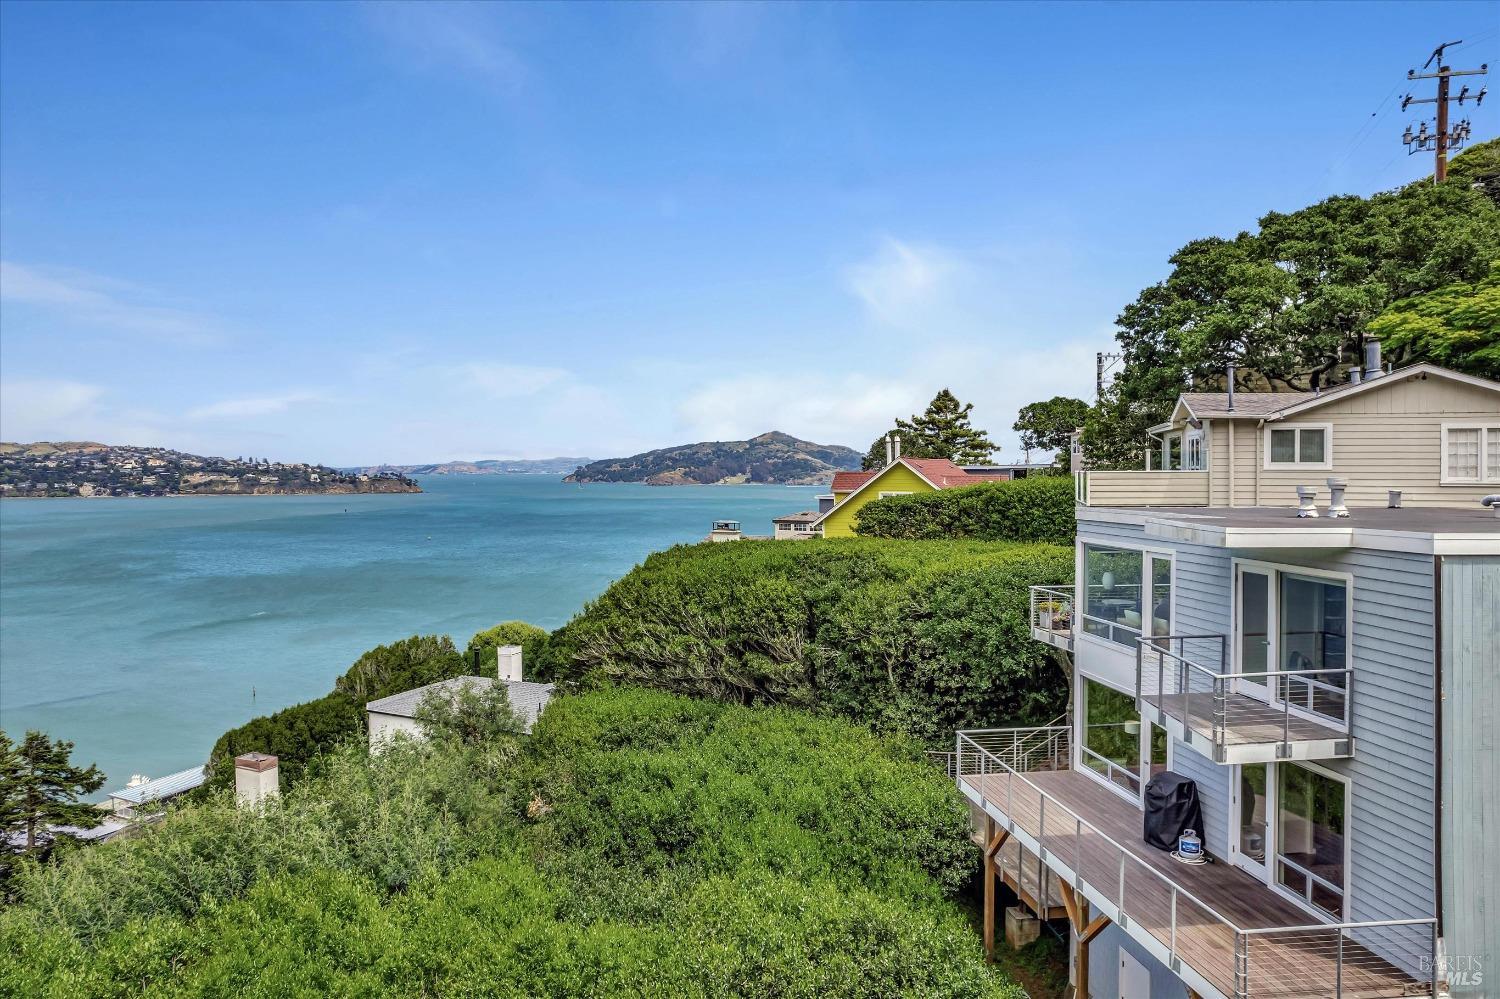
{"x": 257, "y": 777}
{"x": 510, "y": 663}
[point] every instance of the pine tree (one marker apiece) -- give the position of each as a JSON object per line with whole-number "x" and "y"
{"x": 943, "y": 431}
{"x": 40, "y": 787}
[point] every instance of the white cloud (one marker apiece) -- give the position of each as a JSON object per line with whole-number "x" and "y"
{"x": 903, "y": 283}
{"x": 838, "y": 409}
{"x": 499, "y": 380}
{"x": 105, "y": 302}
{"x": 252, "y": 406}
{"x": 30, "y": 408}
{"x": 457, "y": 37}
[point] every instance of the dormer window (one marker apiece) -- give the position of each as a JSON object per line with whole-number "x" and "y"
{"x": 1304, "y": 445}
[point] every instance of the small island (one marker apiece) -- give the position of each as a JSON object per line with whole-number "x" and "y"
{"x": 90, "y": 469}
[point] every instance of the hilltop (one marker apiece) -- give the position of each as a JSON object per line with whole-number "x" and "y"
{"x": 772, "y": 458}
{"x": 88, "y": 468}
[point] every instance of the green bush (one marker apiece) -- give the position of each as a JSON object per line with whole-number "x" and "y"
{"x": 638, "y": 844}
{"x": 1036, "y": 508}
{"x": 531, "y": 639}
{"x": 922, "y": 638}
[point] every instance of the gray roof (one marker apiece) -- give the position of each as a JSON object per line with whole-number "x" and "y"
{"x": 162, "y": 787}
{"x": 803, "y": 516}
{"x": 1248, "y": 405}
{"x": 526, "y": 697}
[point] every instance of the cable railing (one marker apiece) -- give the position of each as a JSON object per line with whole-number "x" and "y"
{"x": 1390, "y": 958}
{"x": 1188, "y": 676}
{"x": 1052, "y": 611}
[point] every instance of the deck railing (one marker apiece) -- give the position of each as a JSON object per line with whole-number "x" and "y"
{"x": 1052, "y": 610}
{"x": 1158, "y": 487}
{"x": 1240, "y": 962}
{"x": 1193, "y": 667}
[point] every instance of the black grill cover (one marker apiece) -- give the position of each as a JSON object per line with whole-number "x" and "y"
{"x": 1171, "y": 807}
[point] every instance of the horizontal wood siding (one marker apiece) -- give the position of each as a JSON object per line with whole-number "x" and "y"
{"x": 1471, "y": 759}
{"x": 1158, "y": 488}
{"x": 1389, "y": 438}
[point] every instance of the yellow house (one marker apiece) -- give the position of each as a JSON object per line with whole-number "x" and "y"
{"x": 852, "y": 490}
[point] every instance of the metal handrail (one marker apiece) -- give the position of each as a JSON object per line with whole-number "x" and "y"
{"x": 1243, "y": 977}
{"x": 1219, "y": 684}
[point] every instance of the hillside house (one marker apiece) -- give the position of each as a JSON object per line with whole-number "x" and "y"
{"x": 397, "y": 714}
{"x": 1329, "y": 682}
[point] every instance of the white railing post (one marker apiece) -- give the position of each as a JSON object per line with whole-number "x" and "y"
{"x": 1172, "y": 947}
{"x": 1121, "y": 898}
{"x": 1041, "y": 832}
{"x": 1338, "y": 972}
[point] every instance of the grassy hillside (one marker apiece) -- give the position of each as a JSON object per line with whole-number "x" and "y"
{"x": 637, "y": 844}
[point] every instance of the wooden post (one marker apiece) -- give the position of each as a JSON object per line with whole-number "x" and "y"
{"x": 994, "y": 839}
{"x": 1085, "y": 930}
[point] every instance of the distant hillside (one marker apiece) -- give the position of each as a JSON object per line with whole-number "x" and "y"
{"x": 488, "y": 466}
{"x": 87, "y": 468}
{"x": 774, "y": 457}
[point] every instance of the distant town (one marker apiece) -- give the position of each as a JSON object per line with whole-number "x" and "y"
{"x": 90, "y": 469}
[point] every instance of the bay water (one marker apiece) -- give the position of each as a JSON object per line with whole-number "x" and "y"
{"x": 142, "y": 629}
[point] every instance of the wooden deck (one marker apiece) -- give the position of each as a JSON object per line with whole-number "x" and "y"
{"x": 1247, "y": 721}
{"x": 1279, "y": 965}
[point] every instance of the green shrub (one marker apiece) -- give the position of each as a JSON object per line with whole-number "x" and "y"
{"x": 672, "y": 848}
{"x": 531, "y": 639}
{"x": 917, "y": 637}
{"x": 1036, "y": 508}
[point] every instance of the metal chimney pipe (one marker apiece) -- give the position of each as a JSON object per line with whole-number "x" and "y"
{"x": 1230, "y": 407}
{"x": 889, "y": 450}
{"x": 1372, "y": 359}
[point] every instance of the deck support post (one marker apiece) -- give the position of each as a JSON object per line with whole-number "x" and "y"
{"x": 994, "y": 839}
{"x": 1085, "y": 930}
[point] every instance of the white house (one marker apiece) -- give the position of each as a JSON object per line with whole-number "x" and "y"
{"x": 397, "y": 714}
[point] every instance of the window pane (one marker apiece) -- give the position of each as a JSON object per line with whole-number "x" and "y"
{"x": 1463, "y": 453}
{"x": 1312, "y": 626}
{"x": 1112, "y": 730}
{"x": 1310, "y": 831}
{"x": 1310, "y": 446}
{"x": 1253, "y": 788}
{"x": 1112, "y": 594}
{"x": 1283, "y": 446}
{"x": 1158, "y": 749}
{"x": 1161, "y": 596}
{"x": 1255, "y": 618}
{"x": 1492, "y": 454}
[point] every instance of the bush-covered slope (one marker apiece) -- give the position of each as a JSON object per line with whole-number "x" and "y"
{"x": 918, "y": 637}
{"x": 1038, "y": 508}
{"x": 771, "y": 457}
{"x": 638, "y": 844}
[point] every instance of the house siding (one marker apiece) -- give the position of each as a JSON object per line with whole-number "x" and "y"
{"x": 1385, "y": 438}
{"x": 1470, "y": 759}
{"x": 896, "y": 479}
{"x": 1392, "y": 773}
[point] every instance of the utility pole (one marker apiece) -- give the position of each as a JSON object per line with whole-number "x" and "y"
{"x": 1443, "y": 138}
{"x": 1100, "y": 368}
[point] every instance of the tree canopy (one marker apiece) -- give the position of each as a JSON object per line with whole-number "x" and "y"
{"x": 40, "y": 789}
{"x": 943, "y": 431}
{"x": 1457, "y": 326}
{"x": 1290, "y": 303}
{"x": 1049, "y": 426}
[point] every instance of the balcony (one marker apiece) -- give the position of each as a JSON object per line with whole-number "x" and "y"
{"x": 1141, "y": 488}
{"x": 1221, "y": 931}
{"x": 1052, "y": 616}
{"x": 1181, "y": 684}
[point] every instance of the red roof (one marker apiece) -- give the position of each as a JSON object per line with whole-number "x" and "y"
{"x": 939, "y": 471}
{"x": 847, "y": 482}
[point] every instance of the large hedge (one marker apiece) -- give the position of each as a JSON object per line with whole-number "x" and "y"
{"x": 918, "y": 637}
{"x": 1036, "y": 508}
{"x": 637, "y": 844}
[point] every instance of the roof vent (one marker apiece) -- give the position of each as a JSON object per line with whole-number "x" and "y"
{"x": 1307, "y": 498}
{"x": 1229, "y": 407}
{"x": 1336, "y": 487}
{"x": 1493, "y": 502}
{"x": 1372, "y": 359}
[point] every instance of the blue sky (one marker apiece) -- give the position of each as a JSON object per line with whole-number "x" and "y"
{"x": 357, "y": 233}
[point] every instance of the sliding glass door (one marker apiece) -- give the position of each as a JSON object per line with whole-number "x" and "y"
{"x": 1253, "y": 631}
{"x": 1292, "y": 831}
{"x": 1291, "y": 639}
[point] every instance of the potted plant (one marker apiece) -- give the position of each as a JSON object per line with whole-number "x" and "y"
{"x": 1052, "y": 615}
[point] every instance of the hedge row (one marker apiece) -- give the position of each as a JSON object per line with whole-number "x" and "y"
{"x": 916, "y": 637}
{"x": 1036, "y": 508}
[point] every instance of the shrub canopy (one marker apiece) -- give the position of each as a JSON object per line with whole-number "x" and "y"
{"x": 1036, "y": 508}
{"x": 638, "y": 844}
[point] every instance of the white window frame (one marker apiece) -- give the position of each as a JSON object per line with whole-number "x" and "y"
{"x": 1487, "y": 475}
{"x": 1275, "y": 855}
{"x": 1166, "y": 451}
{"x": 1275, "y": 571}
{"x": 1194, "y": 451}
{"x": 895, "y": 492}
{"x": 1080, "y": 571}
{"x": 1326, "y": 463}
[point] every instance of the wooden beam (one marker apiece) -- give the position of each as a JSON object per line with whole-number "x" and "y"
{"x": 1070, "y": 904}
{"x": 1092, "y": 930}
{"x": 996, "y": 842}
{"x": 989, "y": 889}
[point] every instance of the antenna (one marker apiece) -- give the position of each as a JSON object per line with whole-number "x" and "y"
{"x": 1445, "y": 137}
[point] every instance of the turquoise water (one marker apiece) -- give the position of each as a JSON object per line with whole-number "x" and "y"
{"x": 142, "y": 629}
